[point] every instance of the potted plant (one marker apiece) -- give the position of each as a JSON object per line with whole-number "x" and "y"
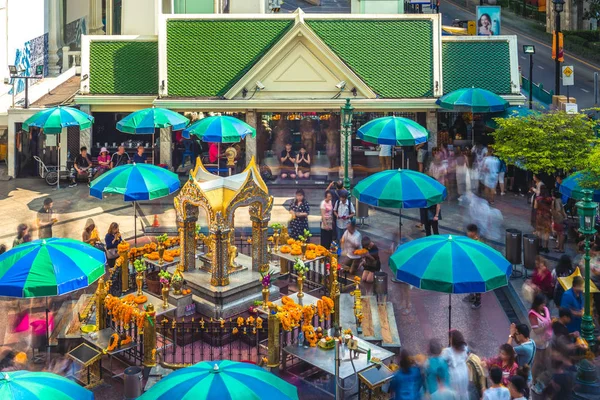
{"x": 300, "y": 269}
{"x": 140, "y": 268}
{"x": 165, "y": 279}
{"x": 161, "y": 247}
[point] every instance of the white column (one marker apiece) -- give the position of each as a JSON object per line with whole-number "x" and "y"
{"x": 95, "y": 18}
{"x": 432, "y": 127}
{"x": 250, "y": 141}
{"x": 54, "y": 34}
{"x": 64, "y": 149}
{"x": 165, "y": 146}
{"x": 85, "y": 135}
{"x": 12, "y": 149}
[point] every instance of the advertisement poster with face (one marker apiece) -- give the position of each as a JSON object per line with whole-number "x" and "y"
{"x": 488, "y": 20}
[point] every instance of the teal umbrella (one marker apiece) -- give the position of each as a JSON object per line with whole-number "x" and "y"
{"x": 221, "y": 380}
{"x": 136, "y": 182}
{"x": 395, "y": 131}
{"x": 450, "y": 264}
{"x": 473, "y": 100}
{"x": 220, "y": 129}
{"x": 571, "y": 187}
{"x": 53, "y": 120}
{"x": 27, "y": 385}
{"x": 511, "y": 112}
{"x": 401, "y": 188}
{"x": 147, "y": 120}
{"x": 49, "y": 267}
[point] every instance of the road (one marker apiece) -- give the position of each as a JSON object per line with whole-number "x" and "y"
{"x": 543, "y": 65}
{"x": 543, "y": 70}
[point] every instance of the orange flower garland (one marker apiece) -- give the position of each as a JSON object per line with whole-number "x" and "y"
{"x": 126, "y": 341}
{"x": 310, "y": 255}
{"x": 311, "y": 246}
{"x": 285, "y": 249}
{"x": 307, "y": 313}
{"x": 123, "y": 247}
{"x": 361, "y": 252}
{"x": 310, "y": 335}
{"x": 291, "y": 241}
{"x": 113, "y": 342}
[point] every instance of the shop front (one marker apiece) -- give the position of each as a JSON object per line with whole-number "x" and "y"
{"x": 287, "y": 76}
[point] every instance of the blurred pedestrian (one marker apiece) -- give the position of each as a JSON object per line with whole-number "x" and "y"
{"x": 22, "y": 230}
{"x": 563, "y": 268}
{"x": 517, "y": 387}
{"x": 559, "y": 217}
{"x": 344, "y": 211}
{"x": 506, "y": 360}
{"x": 351, "y": 241}
{"x": 474, "y": 298}
{"x": 497, "y": 391}
{"x": 434, "y": 215}
{"x": 435, "y": 368}
{"x": 572, "y": 300}
{"x": 46, "y": 219}
{"x": 326, "y": 220}
{"x": 542, "y": 278}
{"x": 112, "y": 240}
{"x": 463, "y": 178}
{"x": 543, "y": 219}
{"x": 371, "y": 262}
{"x": 407, "y": 383}
{"x": 534, "y": 192}
{"x": 490, "y": 170}
{"x": 541, "y": 332}
{"x": 456, "y": 356}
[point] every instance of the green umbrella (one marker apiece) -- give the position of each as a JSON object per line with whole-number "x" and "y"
{"x": 401, "y": 188}
{"x": 26, "y": 385}
{"x": 473, "y": 100}
{"x": 220, "y": 129}
{"x": 147, "y": 120}
{"x": 395, "y": 131}
{"x": 450, "y": 264}
{"x": 53, "y": 120}
{"x": 221, "y": 380}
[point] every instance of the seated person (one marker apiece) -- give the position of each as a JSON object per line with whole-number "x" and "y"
{"x": 119, "y": 158}
{"x": 103, "y": 162}
{"x": 288, "y": 159}
{"x": 214, "y": 157}
{"x": 303, "y": 162}
{"x": 83, "y": 167}
{"x": 139, "y": 157}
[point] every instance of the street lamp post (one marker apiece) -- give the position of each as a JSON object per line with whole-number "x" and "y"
{"x": 530, "y": 49}
{"x": 587, "y": 217}
{"x": 347, "y": 111}
{"x": 558, "y": 8}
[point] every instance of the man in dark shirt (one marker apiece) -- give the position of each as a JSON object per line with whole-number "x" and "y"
{"x": 559, "y": 327}
{"x": 139, "y": 157}
{"x": 119, "y": 158}
{"x": 83, "y": 167}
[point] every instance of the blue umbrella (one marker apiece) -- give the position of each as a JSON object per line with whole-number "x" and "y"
{"x": 473, "y": 100}
{"x": 450, "y": 264}
{"x": 136, "y": 182}
{"x": 395, "y": 131}
{"x": 511, "y": 112}
{"x": 221, "y": 380}
{"x": 27, "y": 385}
{"x": 219, "y": 129}
{"x": 147, "y": 120}
{"x": 401, "y": 188}
{"x": 572, "y": 188}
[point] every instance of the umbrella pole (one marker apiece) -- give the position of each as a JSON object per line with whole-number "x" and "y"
{"x": 449, "y": 315}
{"x": 400, "y": 229}
{"x": 153, "y": 151}
{"x": 47, "y": 326}
{"x": 58, "y": 169}
{"x": 135, "y": 223}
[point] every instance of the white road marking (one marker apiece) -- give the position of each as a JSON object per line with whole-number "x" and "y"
{"x": 540, "y": 67}
{"x": 587, "y": 91}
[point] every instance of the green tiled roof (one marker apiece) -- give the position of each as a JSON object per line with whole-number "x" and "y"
{"x": 483, "y": 65}
{"x": 206, "y": 58}
{"x": 393, "y": 57}
{"x": 124, "y": 67}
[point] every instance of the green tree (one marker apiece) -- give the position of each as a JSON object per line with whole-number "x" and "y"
{"x": 593, "y": 11}
{"x": 545, "y": 142}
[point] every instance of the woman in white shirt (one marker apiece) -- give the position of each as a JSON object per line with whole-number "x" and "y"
{"x": 385, "y": 156}
{"x": 351, "y": 241}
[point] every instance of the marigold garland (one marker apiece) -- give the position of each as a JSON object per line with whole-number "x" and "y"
{"x": 113, "y": 342}
{"x": 310, "y": 335}
{"x": 360, "y": 252}
{"x": 240, "y": 321}
{"x": 123, "y": 247}
{"x": 126, "y": 341}
{"x": 291, "y": 241}
{"x": 311, "y": 246}
{"x": 311, "y": 254}
{"x": 285, "y": 249}
{"x": 259, "y": 322}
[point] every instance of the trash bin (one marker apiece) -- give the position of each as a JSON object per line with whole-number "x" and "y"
{"x": 514, "y": 240}
{"x": 133, "y": 383}
{"x": 362, "y": 210}
{"x": 380, "y": 287}
{"x": 531, "y": 244}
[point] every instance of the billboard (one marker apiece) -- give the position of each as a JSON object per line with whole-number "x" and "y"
{"x": 488, "y": 20}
